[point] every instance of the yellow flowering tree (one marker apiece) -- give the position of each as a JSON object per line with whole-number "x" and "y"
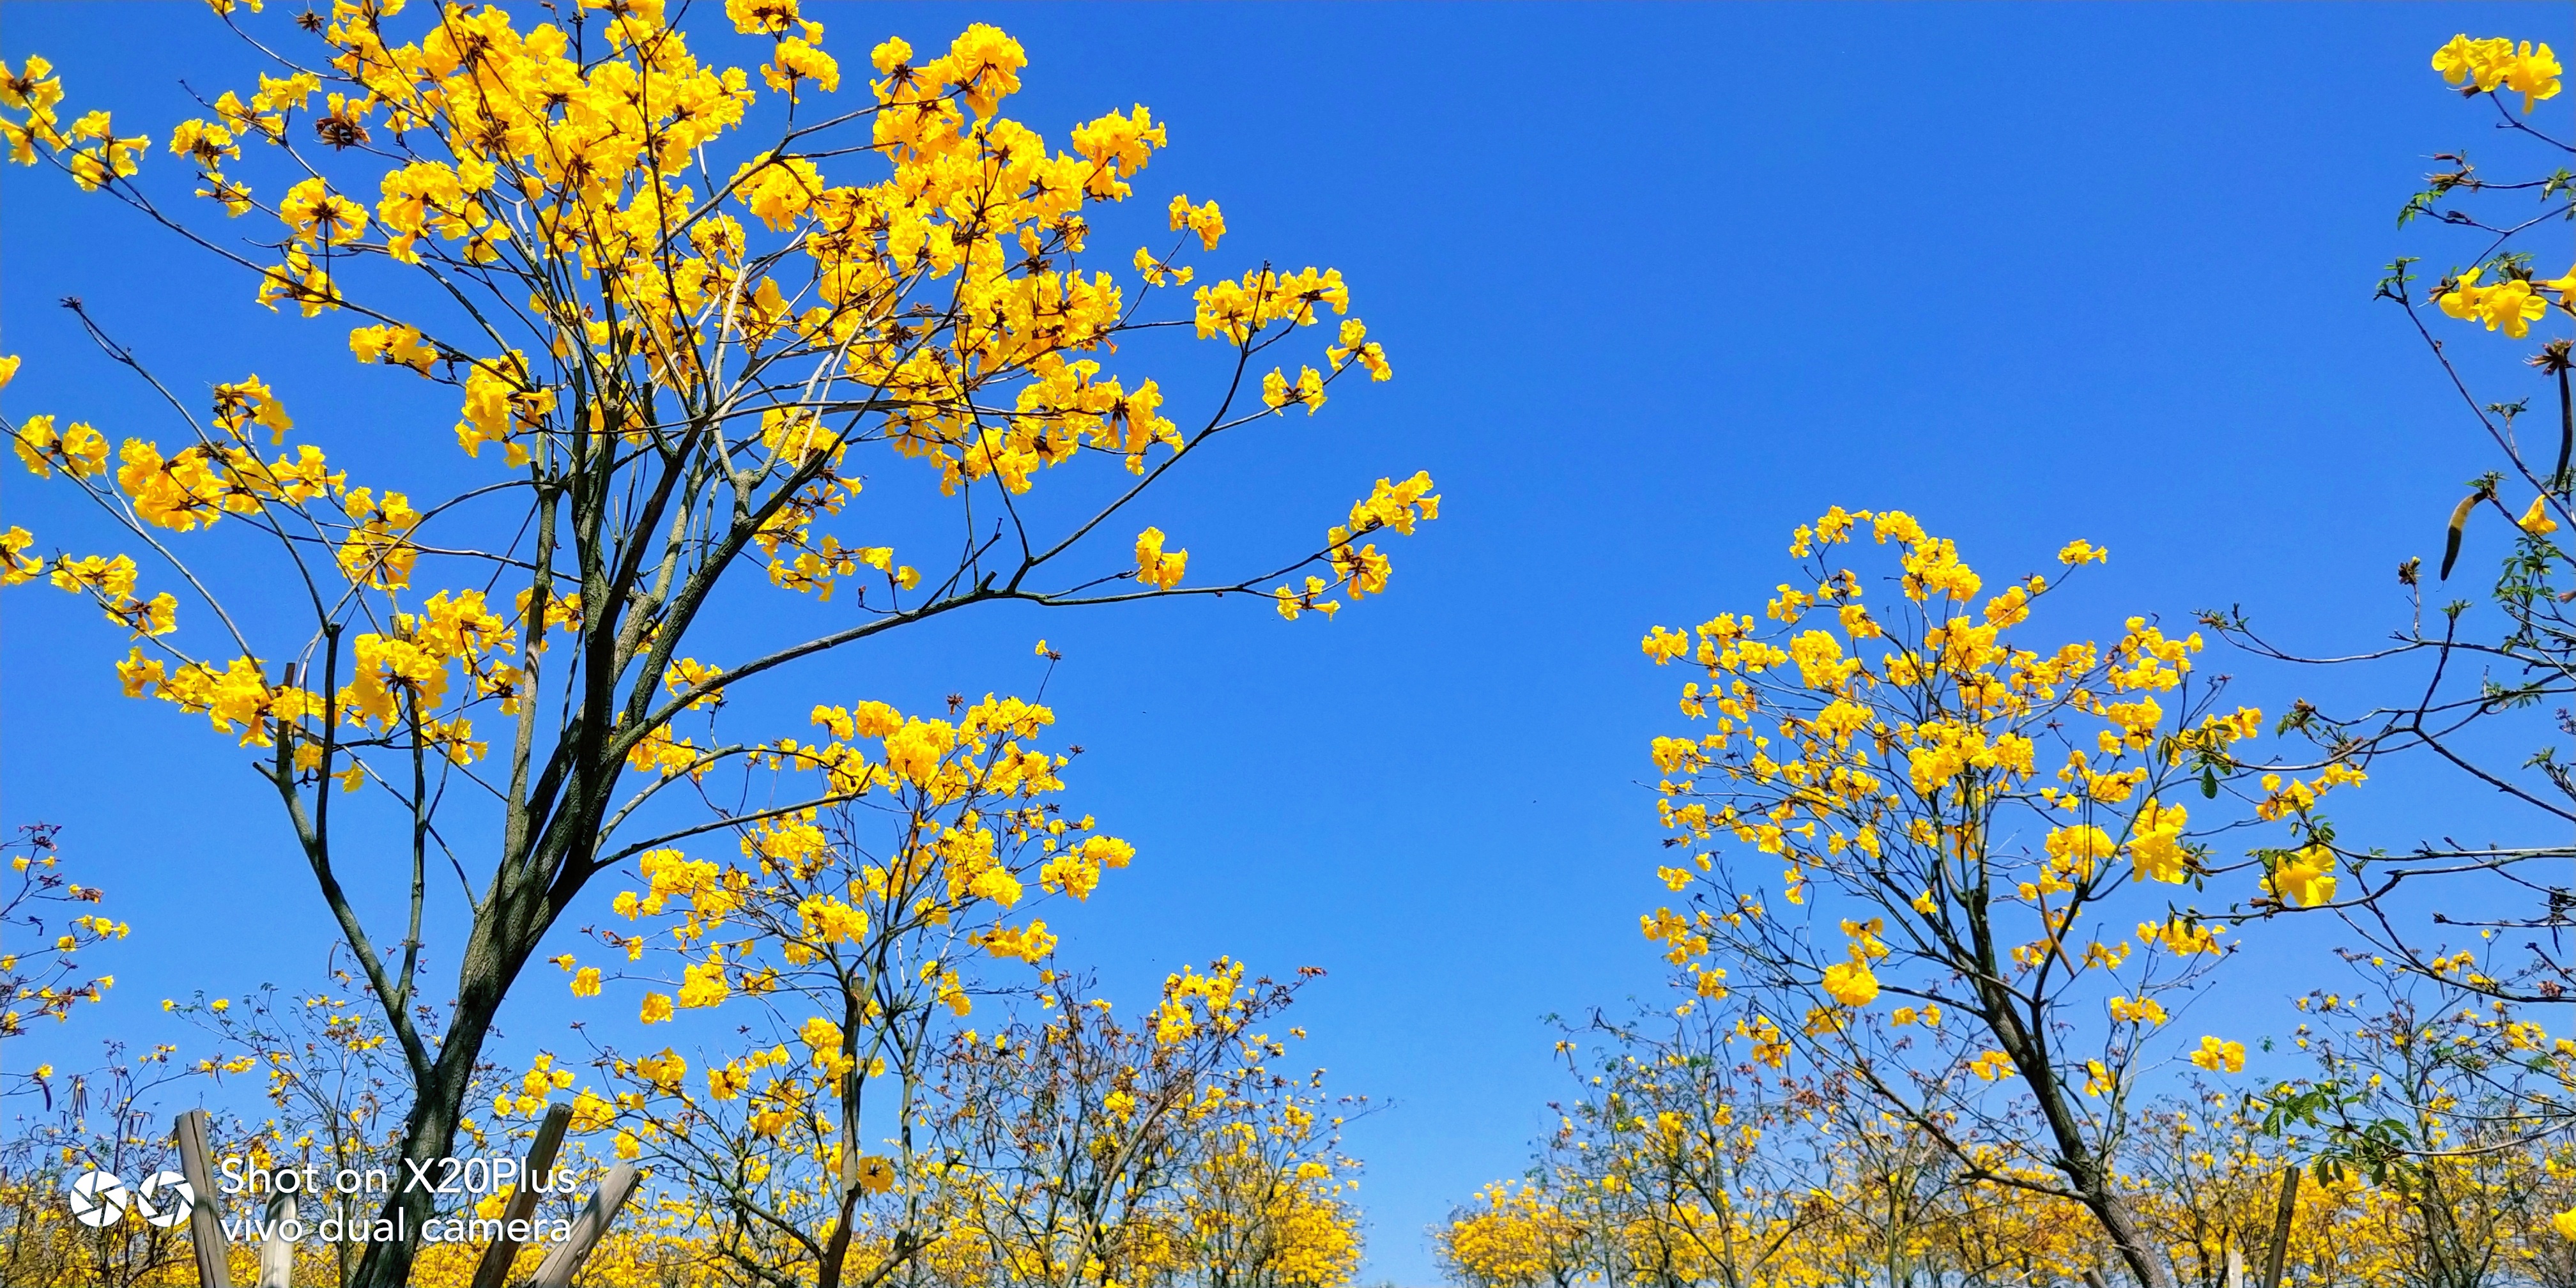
{"x": 49, "y": 919}
{"x": 2203, "y": 1176}
{"x": 841, "y": 939}
{"x": 1095, "y": 1152}
{"x": 1681, "y": 1159}
{"x": 1686, "y": 1143}
{"x": 2483, "y": 676}
{"x": 67, "y": 1121}
{"x": 687, "y": 310}
{"x": 1989, "y": 1230}
{"x": 2469, "y": 675}
{"x": 1266, "y": 1199}
{"x": 1877, "y": 1201}
{"x": 335, "y": 1095}
{"x": 1512, "y": 1236}
{"x": 1889, "y": 1201}
{"x": 1676, "y": 1170}
{"x": 2455, "y": 1111}
{"x": 1986, "y": 849}
{"x": 103, "y": 1118}
{"x": 1884, "y": 1193}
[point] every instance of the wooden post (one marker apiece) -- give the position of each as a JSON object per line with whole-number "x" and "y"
{"x": 276, "y": 1255}
{"x": 2235, "y": 1266}
{"x": 495, "y": 1267}
{"x": 205, "y": 1222}
{"x": 587, "y": 1230}
{"x": 2278, "y": 1260}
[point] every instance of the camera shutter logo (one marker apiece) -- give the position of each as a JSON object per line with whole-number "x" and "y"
{"x": 99, "y": 1199}
{"x": 165, "y": 1198}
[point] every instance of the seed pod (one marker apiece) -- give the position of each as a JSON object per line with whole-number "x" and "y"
{"x": 2459, "y": 521}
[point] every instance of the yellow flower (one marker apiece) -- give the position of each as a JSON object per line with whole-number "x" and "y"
{"x": 2216, "y": 1055}
{"x": 2511, "y": 305}
{"x": 2536, "y": 520}
{"x": 2534, "y": 74}
{"x": 821, "y": 1035}
{"x": 1851, "y": 983}
{"x": 2097, "y": 1078}
{"x": 763, "y": 17}
{"x": 726, "y": 1082}
{"x": 2464, "y": 59}
{"x": 2155, "y": 846}
{"x": 396, "y": 345}
{"x": 2137, "y": 1010}
{"x": 778, "y": 189}
{"x": 657, "y": 1008}
{"x": 1277, "y": 391}
{"x": 795, "y": 62}
{"x": 321, "y": 216}
{"x": 2497, "y": 62}
{"x": 2306, "y": 879}
{"x": 2565, "y": 285}
{"x": 1205, "y": 220}
{"x": 1156, "y": 567}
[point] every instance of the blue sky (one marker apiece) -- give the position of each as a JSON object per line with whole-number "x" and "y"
{"x": 1659, "y": 283}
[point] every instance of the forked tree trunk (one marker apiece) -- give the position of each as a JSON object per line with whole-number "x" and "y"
{"x": 2086, "y": 1172}
{"x": 2132, "y": 1244}
{"x": 429, "y": 1132}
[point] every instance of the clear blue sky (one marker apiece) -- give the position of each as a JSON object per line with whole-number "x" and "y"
{"x": 1659, "y": 283}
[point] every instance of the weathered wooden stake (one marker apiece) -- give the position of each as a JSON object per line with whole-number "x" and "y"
{"x": 495, "y": 1267}
{"x": 2278, "y": 1260}
{"x": 560, "y": 1265}
{"x": 2235, "y": 1266}
{"x": 276, "y": 1255}
{"x": 205, "y": 1220}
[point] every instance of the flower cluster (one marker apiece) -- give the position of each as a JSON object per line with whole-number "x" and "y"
{"x": 2511, "y": 305}
{"x": 2497, "y": 63}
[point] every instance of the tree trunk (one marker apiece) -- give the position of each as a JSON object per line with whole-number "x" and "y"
{"x": 429, "y": 1132}
{"x": 836, "y": 1253}
{"x": 2125, "y": 1236}
{"x": 2088, "y": 1173}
